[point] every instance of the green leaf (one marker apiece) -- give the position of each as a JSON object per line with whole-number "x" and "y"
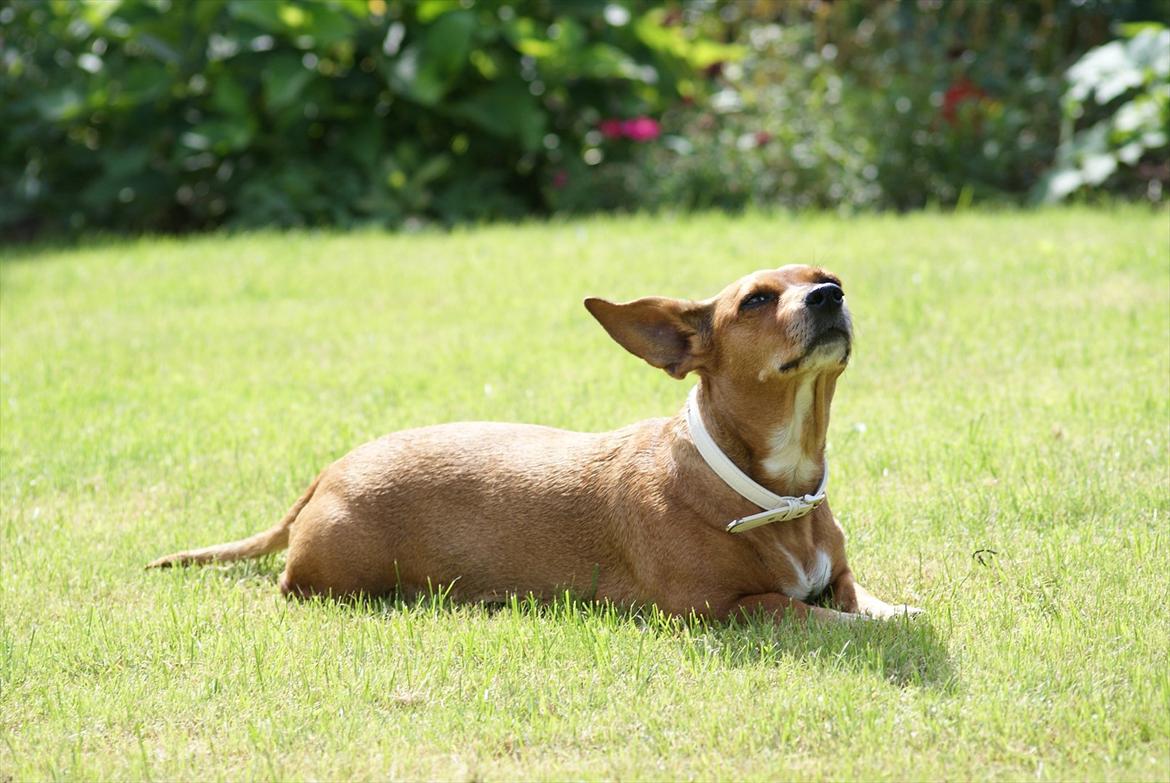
{"x": 124, "y": 163}
{"x": 1150, "y": 49}
{"x": 224, "y": 136}
{"x": 1131, "y": 153}
{"x": 58, "y": 105}
{"x": 144, "y": 82}
{"x": 265, "y": 15}
{"x": 159, "y": 48}
{"x": 1130, "y": 29}
{"x": 508, "y": 110}
{"x": 325, "y": 24}
{"x": 431, "y": 170}
{"x": 1096, "y": 168}
{"x": 358, "y": 9}
{"x": 284, "y": 78}
{"x": 1111, "y": 70}
{"x": 603, "y": 61}
{"x": 429, "y": 10}
{"x": 672, "y": 40}
{"x": 97, "y": 12}
{"x": 363, "y": 141}
{"x": 426, "y": 72}
{"x": 1057, "y": 185}
{"x": 228, "y": 97}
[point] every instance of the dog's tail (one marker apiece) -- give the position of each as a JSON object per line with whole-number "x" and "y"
{"x": 272, "y": 540}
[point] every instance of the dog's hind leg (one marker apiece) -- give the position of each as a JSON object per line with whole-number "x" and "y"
{"x": 778, "y": 605}
{"x": 332, "y": 554}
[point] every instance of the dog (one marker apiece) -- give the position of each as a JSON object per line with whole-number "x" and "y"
{"x": 718, "y": 510}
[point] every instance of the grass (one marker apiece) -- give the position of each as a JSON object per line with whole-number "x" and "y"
{"x": 1000, "y": 457}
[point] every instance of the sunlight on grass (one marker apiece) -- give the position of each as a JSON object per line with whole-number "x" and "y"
{"x": 1000, "y": 457}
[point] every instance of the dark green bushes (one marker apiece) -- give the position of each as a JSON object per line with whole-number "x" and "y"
{"x": 164, "y": 115}
{"x": 151, "y": 114}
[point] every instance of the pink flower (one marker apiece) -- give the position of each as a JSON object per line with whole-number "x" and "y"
{"x": 611, "y": 128}
{"x": 641, "y": 129}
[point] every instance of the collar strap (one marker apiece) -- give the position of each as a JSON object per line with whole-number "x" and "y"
{"x": 777, "y": 508}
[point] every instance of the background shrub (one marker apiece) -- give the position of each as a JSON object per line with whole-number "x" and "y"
{"x": 888, "y": 105}
{"x": 154, "y": 115}
{"x": 144, "y": 114}
{"x": 1119, "y": 97}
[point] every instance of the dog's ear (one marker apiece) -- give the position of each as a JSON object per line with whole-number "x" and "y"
{"x": 671, "y": 334}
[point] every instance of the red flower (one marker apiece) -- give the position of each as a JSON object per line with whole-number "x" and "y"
{"x": 762, "y": 138}
{"x": 961, "y": 90}
{"x": 611, "y": 128}
{"x": 560, "y": 178}
{"x": 641, "y": 129}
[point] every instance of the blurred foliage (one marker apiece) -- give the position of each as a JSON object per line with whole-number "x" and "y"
{"x": 162, "y": 115}
{"x": 1120, "y": 94}
{"x": 148, "y": 114}
{"x": 895, "y": 104}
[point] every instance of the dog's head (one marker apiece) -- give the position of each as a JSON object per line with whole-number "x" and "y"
{"x": 776, "y": 324}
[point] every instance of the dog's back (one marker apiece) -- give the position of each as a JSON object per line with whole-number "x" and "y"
{"x": 485, "y": 508}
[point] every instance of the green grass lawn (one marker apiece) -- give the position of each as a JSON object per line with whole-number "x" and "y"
{"x": 1000, "y": 458}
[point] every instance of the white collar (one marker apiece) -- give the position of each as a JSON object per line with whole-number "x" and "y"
{"x": 778, "y": 508}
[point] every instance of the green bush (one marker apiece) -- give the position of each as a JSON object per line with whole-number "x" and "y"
{"x": 157, "y": 115}
{"x": 143, "y": 114}
{"x": 1119, "y": 95}
{"x": 891, "y": 105}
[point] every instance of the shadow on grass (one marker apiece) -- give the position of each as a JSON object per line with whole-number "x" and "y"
{"x": 23, "y": 249}
{"x": 905, "y": 652}
{"x": 18, "y": 248}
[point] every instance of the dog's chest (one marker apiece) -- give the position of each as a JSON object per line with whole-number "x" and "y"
{"x": 808, "y": 578}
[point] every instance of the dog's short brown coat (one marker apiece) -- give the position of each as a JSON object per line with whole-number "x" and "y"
{"x": 632, "y": 516}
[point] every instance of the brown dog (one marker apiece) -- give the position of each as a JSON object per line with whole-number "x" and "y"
{"x": 633, "y": 516}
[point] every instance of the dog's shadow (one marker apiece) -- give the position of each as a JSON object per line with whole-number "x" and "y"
{"x": 906, "y": 652}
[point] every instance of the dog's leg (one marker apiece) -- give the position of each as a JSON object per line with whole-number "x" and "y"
{"x": 849, "y": 596}
{"x": 777, "y": 604}
{"x": 333, "y": 553}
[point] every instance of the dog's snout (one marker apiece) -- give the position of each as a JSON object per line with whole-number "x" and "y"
{"x": 825, "y": 298}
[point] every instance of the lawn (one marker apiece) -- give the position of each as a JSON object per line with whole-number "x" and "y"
{"x": 1000, "y": 457}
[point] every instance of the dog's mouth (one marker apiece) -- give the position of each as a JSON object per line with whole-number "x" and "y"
{"x": 830, "y": 336}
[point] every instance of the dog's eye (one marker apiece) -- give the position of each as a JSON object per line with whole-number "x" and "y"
{"x": 757, "y": 299}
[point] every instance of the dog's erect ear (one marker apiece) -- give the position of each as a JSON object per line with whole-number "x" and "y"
{"x": 670, "y": 334}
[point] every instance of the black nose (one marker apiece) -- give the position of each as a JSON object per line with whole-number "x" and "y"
{"x": 825, "y": 298}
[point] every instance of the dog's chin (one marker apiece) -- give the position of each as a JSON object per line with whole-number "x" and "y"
{"x": 831, "y": 354}
{"x": 829, "y": 349}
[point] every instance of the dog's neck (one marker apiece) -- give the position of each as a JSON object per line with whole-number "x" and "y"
{"x": 775, "y": 433}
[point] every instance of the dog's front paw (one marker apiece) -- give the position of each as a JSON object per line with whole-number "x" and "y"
{"x": 892, "y": 611}
{"x": 824, "y": 615}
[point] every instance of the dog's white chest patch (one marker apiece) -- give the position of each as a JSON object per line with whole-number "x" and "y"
{"x": 808, "y": 582}
{"x": 785, "y": 451}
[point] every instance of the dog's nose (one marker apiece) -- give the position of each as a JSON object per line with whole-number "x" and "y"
{"x": 825, "y": 298}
